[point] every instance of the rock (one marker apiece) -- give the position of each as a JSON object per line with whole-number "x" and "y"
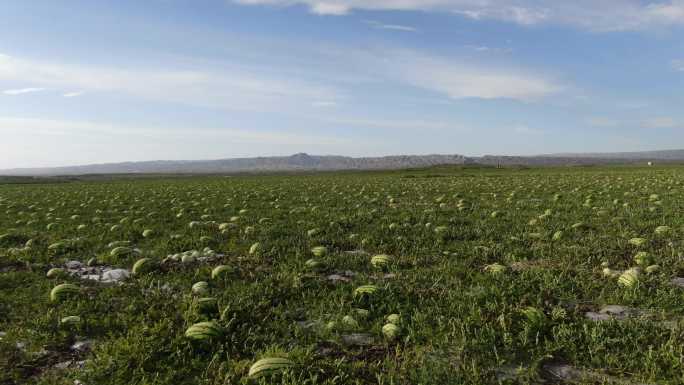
{"x": 310, "y": 325}
{"x": 2, "y": 335}
{"x": 115, "y": 275}
{"x": 679, "y": 281}
{"x": 508, "y": 373}
{"x": 82, "y": 346}
{"x": 62, "y": 365}
{"x": 609, "y": 312}
{"x": 336, "y": 278}
{"x": 361, "y": 339}
{"x": 356, "y": 252}
{"x": 21, "y": 346}
{"x": 571, "y": 374}
{"x": 565, "y": 372}
{"x": 73, "y": 265}
{"x": 105, "y": 275}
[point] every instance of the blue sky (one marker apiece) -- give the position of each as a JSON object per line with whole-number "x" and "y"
{"x": 102, "y": 81}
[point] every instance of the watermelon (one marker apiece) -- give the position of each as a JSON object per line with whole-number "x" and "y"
{"x": 269, "y": 366}
{"x": 638, "y": 241}
{"x": 313, "y": 264}
{"x": 663, "y": 230}
{"x": 62, "y": 291}
{"x": 394, "y": 319}
{"x": 391, "y": 331}
{"x": 203, "y": 331}
{"x": 142, "y": 266}
{"x": 255, "y": 249}
{"x": 629, "y": 278}
{"x": 534, "y": 316}
{"x": 55, "y": 272}
{"x": 70, "y": 320}
{"x": 200, "y": 287}
{"x": 495, "y": 268}
{"x": 381, "y": 261}
{"x": 121, "y": 251}
{"x": 319, "y": 251}
{"x": 365, "y": 291}
{"x": 221, "y": 271}
{"x": 207, "y": 303}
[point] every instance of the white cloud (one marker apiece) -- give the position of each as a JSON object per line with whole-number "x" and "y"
{"x": 526, "y": 130}
{"x": 29, "y": 126}
{"x": 324, "y": 104}
{"x": 658, "y": 122}
{"x": 21, "y": 91}
{"x": 31, "y": 142}
{"x": 393, "y": 124}
{"x": 394, "y": 27}
{"x": 603, "y": 15}
{"x": 677, "y": 65}
{"x": 661, "y": 122}
{"x": 484, "y": 48}
{"x": 459, "y": 80}
{"x": 329, "y": 8}
{"x": 225, "y": 89}
{"x": 73, "y": 94}
{"x": 603, "y": 122}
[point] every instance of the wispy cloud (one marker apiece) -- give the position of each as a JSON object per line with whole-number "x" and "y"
{"x": 460, "y": 80}
{"x": 225, "y": 89}
{"x": 73, "y": 94}
{"x": 661, "y": 122}
{"x": 484, "y": 48}
{"x": 33, "y": 126}
{"x": 605, "y": 15}
{"x": 677, "y": 65}
{"x": 110, "y": 142}
{"x": 394, "y": 27}
{"x": 324, "y": 104}
{"x": 524, "y": 129}
{"x": 603, "y": 122}
{"x": 22, "y": 91}
{"x": 658, "y": 122}
{"x": 392, "y": 124}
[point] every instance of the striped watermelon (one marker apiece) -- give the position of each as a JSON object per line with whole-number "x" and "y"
{"x": 55, "y": 272}
{"x": 221, "y": 271}
{"x": 255, "y": 249}
{"x": 269, "y": 366}
{"x": 534, "y": 316}
{"x": 142, "y": 266}
{"x": 70, "y": 320}
{"x": 391, "y": 331}
{"x": 629, "y": 278}
{"x": 394, "y": 319}
{"x": 62, "y": 291}
{"x": 319, "y": 251}
{"x": 203, "y": 331}
{"x": 207, "y": 304}
{"x": 365, "y": 291}
{"x": 200, "y": 287}
{"x": 381, "y": 261}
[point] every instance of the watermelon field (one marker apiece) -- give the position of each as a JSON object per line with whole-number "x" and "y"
{"x": 450, "y": 275}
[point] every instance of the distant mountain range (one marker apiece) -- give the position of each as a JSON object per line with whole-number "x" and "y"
{"x": 305, "y": 162}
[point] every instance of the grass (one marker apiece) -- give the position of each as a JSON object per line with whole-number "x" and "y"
{"x": 459, "y": 322}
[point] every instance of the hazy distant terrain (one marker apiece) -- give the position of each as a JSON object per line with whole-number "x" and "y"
{"x": 305, "y": 162}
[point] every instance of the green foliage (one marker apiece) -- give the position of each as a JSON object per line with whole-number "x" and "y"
{"x": 346, "y": 278}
